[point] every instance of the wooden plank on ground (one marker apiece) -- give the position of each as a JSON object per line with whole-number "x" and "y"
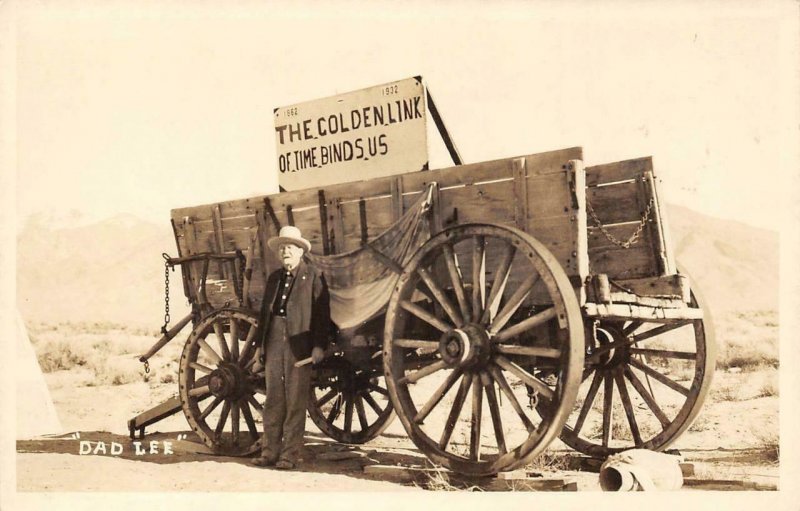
{"x": 502, "y": 482}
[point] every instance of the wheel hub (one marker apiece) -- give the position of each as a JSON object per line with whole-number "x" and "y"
{"x": 607, "y": 335}
{"x": 465, "y": 347}
{"x": 227, "y": 381}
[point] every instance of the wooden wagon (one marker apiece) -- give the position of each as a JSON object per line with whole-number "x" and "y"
{"x": 502, "y": 304}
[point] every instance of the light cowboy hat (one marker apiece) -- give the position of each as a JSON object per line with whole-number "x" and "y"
{"x": 289, "y": 234}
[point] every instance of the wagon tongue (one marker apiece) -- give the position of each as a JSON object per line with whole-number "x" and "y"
{"x": 468, "y": 346}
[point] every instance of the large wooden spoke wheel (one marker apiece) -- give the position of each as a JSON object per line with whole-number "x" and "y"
{"x": 222, "y": 382}
{"x": 483, "y": 318}
{"x": 644, "y": 383}
{"x": 349, "y": 404}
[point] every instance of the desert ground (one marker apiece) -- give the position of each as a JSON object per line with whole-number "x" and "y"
{"x": 97, "y": 384}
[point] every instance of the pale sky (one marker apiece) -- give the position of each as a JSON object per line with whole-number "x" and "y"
{"x": 127, "y": 108}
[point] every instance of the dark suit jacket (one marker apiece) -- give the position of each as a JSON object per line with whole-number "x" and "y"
{"x": 308, "y": 312}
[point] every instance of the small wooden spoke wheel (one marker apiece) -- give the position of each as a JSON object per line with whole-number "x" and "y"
{"x": 644, "y": 383}
{"x": 488, "y": 311}
{"x": 221, "y": 382}
{"x": 348, "y": 403}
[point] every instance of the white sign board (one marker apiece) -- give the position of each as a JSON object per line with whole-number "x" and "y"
{"x": 373, "y": 132}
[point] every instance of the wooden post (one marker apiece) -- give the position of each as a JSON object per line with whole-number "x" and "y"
{"x": 659, "y": 230}
{"x": 248, "y": 267}
{"x": 261, "y": 236}
{"x": 580, "y": 251}
{"x": 397, "y": 198}
{"x": 519, "y": 172}
{"x": 323, "y": 223}
{"x": 338, "y": 227}
{"x": 362, "y": 218}
{"x": 220, "y": 242}
{"x": 191, "y": 245}
{"x": 437, "y": 119}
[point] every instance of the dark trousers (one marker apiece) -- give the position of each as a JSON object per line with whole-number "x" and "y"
{"x": 287, "y": 394}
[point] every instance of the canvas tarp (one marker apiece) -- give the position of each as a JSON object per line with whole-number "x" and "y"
{"x": 361, "y": 281}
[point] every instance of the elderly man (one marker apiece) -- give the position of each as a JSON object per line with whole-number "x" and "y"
{"x": 295, "y": 321}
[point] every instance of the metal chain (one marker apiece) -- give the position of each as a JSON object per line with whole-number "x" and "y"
{"x": 166, "y": 292}
{"x": 633, "y": 238}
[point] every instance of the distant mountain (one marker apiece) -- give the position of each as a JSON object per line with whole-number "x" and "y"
{"x": 735, "y": 265}
{"x": 113, "y": 270}
{"x": 106, "y": 271}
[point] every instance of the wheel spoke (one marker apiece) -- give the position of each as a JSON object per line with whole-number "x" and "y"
{"x": 455, "y": 411}
{"x": 372, "y": 403}
{"x": 327, "y": 397}
{"x": 200, "y": 367}
{"x": 415, "y": 343}
{"x": 478, "y": 277}
{"x": 513, "y": 303}
{"x": 525, "y": 325}
{"x": 659, "y": 377}
{"x": 199, "y": 391}
{"x": 475, "y": 423}
{"x": 235, "y": 422}
{"x": 252, "y": 400}
{"x": 425, "y": 315}
{"x": 526, "y": 377}
{"x": 498, "y": 284}
{"x": 437, "y": 396}
{"x": 362, "y": 414}
{"x": 531, "y": 351}
{"x": 223, "y": 345}
{"x": 628, "y": 406}
{"x": 209, "y": 351}
{"x": 632, "y": 327}
{"x": 223, "y": 418}
{"x": 608, "y": 403}
{"x": 335, "y": 409}
{"x": 450, "y": 260}
{"x": 249, "y": 345}
{"x": 494, "y": 409}
{"x": 421, "y": 373}
{"x": 648, "y": 398}
{"x": 234, "y": 339}
{"x": 248, "y": 419}
{"x": 210, "y": 408}
{"x": 440, "y": 297}
{"x": 377, "y": 388}
{"x": 682, "y": 355}
{"x": 600, "y": 350}
{"x": 587, "y": 403}
{"x": 348, "y": 414}
{"x": 497, "y": 375}
{"x": 660, "y": 330}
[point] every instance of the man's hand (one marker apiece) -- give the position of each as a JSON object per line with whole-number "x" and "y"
{"x": 317, "y": 355}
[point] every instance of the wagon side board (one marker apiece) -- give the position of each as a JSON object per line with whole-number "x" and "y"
{"x": 541, "y": 193}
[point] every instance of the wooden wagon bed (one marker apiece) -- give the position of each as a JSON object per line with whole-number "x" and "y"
{"x": 548, "y": 195}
